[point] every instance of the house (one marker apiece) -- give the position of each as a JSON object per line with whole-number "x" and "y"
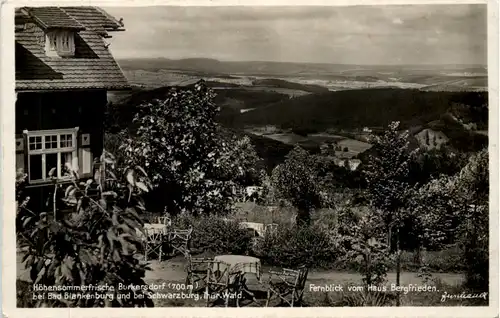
{"x": 64, "y": 70}
{"x": 253, "y": 193}
{"x": 351, "y": 164}
{"x": 430, "y": 138}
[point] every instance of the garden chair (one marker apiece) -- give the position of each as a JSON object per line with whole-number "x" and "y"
{"x": 153, "y": 242}
{"x": 197, "y": 271}
{"x": 221, "y": 283}
{"x": 288, "y": 285}
{"x": 179, "y": 240}
{"x": 164, "y": 220}
{"x": 271, "y": 228}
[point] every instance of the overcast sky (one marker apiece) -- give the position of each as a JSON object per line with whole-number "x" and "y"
{"x": 412, "y": 34}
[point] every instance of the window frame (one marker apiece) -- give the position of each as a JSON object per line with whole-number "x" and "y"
{"x": 56, "y": 43}
{"x": 43, "y": 151}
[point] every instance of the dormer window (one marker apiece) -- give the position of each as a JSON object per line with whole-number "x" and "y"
{"x": 60, "y": 43}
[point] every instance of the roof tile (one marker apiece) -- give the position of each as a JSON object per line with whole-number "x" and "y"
{"x": 53, "y": 17}
{"x": 93, "y": 65}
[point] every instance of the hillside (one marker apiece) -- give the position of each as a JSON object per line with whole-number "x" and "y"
{"x": 280, "y": 83}
{"x": 272, "y": 152}
{"x": 231, "y": 99}
{"x": 456, "y": 114}
{"x": 359, "y": 108}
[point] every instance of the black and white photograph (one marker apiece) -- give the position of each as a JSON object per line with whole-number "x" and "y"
{"x": 253, "y": 156}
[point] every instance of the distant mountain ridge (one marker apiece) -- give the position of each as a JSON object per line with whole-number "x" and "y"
{"x": 247, "y": 67}
{"x": 156, "y": 72}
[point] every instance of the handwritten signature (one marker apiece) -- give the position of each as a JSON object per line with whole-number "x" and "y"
{"x": 463, "y": 295}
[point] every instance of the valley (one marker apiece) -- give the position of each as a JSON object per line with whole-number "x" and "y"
{"x": 280, "y": 105}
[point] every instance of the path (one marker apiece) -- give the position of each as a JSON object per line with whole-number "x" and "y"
{"x": 174, "y": 271}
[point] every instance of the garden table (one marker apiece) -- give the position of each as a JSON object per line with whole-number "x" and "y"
{"x": 152, "y": 228}
{"x": 240, "y": 265}
{"x": 154, "y": 238}
{"x": 155, "y": 226}
{"x": 257, "y": 227}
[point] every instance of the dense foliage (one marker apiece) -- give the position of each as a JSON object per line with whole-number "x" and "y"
{"x": 215, "y": 235}
{"x": 94, "y": 246}
{"x": 362, "y": 241}
{"x": 193, "y": 166}
{"x": 387, "y": 173}
{"x": 456, "y": 208}
{"x": 292, "y": 246}
{"x": 433, "y": 163}
{"x": 295, "y": 181}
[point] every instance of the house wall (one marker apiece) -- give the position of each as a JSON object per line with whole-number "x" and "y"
{"x": 431, "y": 139}
{"x": 60, "y": 110}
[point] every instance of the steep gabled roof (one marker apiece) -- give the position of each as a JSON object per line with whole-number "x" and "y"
{"x": 52, "y": 17}
{"x": 95, "y": 19}
{"x": 93, "y": 66}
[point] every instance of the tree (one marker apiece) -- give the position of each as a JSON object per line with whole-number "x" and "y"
{"x": 432, "y": 163}
{"x": 361, "y": 239}
{"x": 472, "y": 188}
{"x": 387, "y": 175}
{"x": 243, "y": 165}
{"x": 193, "y": 166}
{"x": 434, "y": 212}
{"x": 295, "y": 181}
{"x": 457, "y": 207}
{"x": 95, "y": 246}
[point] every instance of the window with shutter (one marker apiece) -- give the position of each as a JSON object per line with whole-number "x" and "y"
{"x": 50, "y": 149}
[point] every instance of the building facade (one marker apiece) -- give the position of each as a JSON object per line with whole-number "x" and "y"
{"x": 64, "y": 69}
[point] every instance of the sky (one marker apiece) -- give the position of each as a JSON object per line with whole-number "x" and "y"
{"x": 383, "y": 34}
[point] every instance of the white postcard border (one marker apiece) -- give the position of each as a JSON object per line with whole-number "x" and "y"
{"x": 7, "y": 173}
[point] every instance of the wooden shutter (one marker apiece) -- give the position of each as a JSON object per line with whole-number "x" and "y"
{"x": 21, "y": 148}
{"x": 85, "y": 157}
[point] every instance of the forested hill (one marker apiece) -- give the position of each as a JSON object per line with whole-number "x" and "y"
{"x": 360, "y": 108}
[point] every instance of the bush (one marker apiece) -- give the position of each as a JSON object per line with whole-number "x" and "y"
{"x": 112, "y": 143}
{"x": 97, "y": 244}
{"x": 251, "y": 212}
{"x": 446, "y": 260}
{"x": 24, "y": 291}
{"x": 216, "y": 235}
{"x": 292, "y": 246}
{"x": 477, "y": 266}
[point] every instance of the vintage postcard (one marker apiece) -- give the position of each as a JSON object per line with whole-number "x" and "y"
{"x": 204, "y": 158}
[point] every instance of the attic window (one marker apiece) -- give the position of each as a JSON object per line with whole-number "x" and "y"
{"x": 60, "y": 43}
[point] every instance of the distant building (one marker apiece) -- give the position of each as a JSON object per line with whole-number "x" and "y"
{"x": 253, "y": 193}
{"x": 354, "y": 164}
{"x": 351, "y": 164}
{"x": 269, "y": 129}
{"x": 431, "y": 139}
